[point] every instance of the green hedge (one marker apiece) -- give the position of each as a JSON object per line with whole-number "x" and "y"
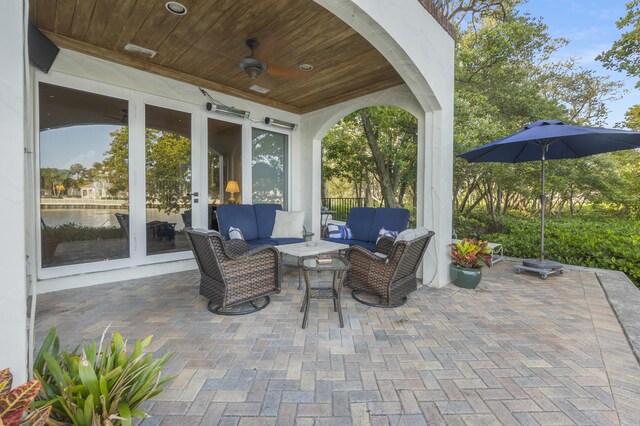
{"x": 608, "y": 243}
{"x": 73, "y": 232}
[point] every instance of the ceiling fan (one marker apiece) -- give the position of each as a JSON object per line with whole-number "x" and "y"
{"x": 251, "y": 65}
{"x": 255, "y": 65}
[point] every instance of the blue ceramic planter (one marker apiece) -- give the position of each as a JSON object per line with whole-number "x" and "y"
{"x": 465, "y": 277}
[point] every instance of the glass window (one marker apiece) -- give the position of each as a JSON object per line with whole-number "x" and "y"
{"x": 225, "y": 162}
{"x": 269, "y": 165}
{"x": 84, "y": 176}
{"x": 168, "y": 179}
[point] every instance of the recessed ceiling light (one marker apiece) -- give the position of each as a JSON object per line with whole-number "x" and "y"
{"x": 176, "y": 8}
{"x": 306, "y": 67}
{"x": 130, "y": 47}
{"x": 259, "y": 89}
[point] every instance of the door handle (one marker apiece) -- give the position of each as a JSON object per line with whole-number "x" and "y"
{"x": 195, "y": 194}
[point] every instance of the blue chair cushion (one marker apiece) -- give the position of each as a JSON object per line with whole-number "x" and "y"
{"x": 265, "y": 218}
{"x": 388, "y": 218}
{"x": 239, "y": 216}
{"x": 359, "y": 221}
{"x": 262, "y": 242}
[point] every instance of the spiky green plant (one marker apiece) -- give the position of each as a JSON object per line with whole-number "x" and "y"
{"x": 93, "y": 386}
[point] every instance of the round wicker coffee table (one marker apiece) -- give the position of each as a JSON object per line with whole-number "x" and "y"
{"x": 338, "y": 266}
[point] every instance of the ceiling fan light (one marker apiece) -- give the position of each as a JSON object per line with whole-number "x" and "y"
{"x": 253, "y": 72}
{"x": 253, "y": 67}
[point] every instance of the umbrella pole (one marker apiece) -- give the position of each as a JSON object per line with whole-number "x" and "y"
{"x": 541, "y": 266}
{"x": 543, "y": 202}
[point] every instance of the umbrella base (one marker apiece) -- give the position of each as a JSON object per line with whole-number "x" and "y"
{"x": 544, "y": 268}
{"x": 542, "y": 264}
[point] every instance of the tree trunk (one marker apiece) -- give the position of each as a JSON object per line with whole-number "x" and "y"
{"x": 386, "y": 185}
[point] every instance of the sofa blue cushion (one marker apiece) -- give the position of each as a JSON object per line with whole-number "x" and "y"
{"x": 283, "y": 241}
{"x": 262, "y": 242}
{"x": 265, "y": 218}
{"x": 388, "y": 218}
{"x": 239, "y": 216}
{"x": 359, "y": 221}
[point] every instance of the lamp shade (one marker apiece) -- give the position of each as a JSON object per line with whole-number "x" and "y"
{"x": 232, "y": 187}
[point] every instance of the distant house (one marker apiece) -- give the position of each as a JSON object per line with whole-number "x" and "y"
{"x": 95, "y": 190}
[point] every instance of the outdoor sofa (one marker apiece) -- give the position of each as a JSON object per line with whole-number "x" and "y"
{"x": 256, "y": 221}
{"x": 365, "y": 224}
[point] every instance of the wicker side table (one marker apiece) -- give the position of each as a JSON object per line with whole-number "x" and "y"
{"x": 338, "y": 266}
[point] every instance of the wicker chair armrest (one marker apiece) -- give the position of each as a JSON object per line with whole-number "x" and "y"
{"x": 385, "y": 244}
{"x": 259, "y": 250}
{"x": 364, "y": 254}
{"x": 235, "y": 248}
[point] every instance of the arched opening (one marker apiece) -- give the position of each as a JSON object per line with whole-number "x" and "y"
{"x": 370, "y": 159}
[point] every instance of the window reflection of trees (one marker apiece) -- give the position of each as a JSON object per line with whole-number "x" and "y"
{"x": 269, "y": 167}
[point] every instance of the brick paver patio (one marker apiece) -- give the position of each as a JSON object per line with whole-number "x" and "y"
{"x": 518, "y": 350}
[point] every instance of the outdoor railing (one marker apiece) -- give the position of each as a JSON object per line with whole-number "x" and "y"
{"x": 342, "y": 206}
{"x": 439, "y": 9}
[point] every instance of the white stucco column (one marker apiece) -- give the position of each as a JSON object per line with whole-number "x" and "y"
{"x": 13, "y": 312}
{"x": 435, "y": 201}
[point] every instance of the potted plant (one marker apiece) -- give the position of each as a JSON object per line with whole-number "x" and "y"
{"x": 468, "y": 257}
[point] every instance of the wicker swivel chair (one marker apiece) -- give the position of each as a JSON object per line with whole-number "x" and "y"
{"x": 390, "y": 273}
{"x": 232, "y": 275}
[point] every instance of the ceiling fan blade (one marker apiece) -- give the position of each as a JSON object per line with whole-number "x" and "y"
{"x": 278, "y": 71}
{"x": 266, "y": 46}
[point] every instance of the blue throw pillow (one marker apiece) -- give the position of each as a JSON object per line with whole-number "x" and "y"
{"x": 340, "y": 232}
{"x": 386, "y": 233}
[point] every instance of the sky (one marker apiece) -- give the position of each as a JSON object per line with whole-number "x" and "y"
{"x": 85, "y": 145}
{"x": 590, "y": 27}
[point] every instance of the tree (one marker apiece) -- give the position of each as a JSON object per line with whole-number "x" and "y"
{"x": 504, "y": 79}
{"x": 168, "y": 167}
{"x": 632, "y": 118}
{"x": 375, "y": 150}
{"x": 116, "y": 163}
{"x": 168, "y": 170}
{"x": 581, "y": 91}
{"x": 624, "y": 55}
{"x": 461, "y": 10}
{"x": 78, "y": 174}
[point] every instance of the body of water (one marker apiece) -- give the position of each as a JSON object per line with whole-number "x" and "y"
{"x": 97, "y": 218}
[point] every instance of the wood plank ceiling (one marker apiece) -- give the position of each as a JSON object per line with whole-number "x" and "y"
{"x": 204, "y": 46}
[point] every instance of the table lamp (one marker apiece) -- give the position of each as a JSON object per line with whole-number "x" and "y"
{"x": 232, "y": 188}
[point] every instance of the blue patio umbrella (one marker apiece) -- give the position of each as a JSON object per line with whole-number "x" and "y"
{"x": 551, "y": 140}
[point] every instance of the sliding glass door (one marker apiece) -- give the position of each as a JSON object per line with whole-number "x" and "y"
{"x": 168, "y": 177}
{"x": 117, "y": 179}
{"x": 84, "y": 177}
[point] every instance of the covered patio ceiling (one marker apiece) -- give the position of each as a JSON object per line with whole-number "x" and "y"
{"x": 204, "y": 47}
